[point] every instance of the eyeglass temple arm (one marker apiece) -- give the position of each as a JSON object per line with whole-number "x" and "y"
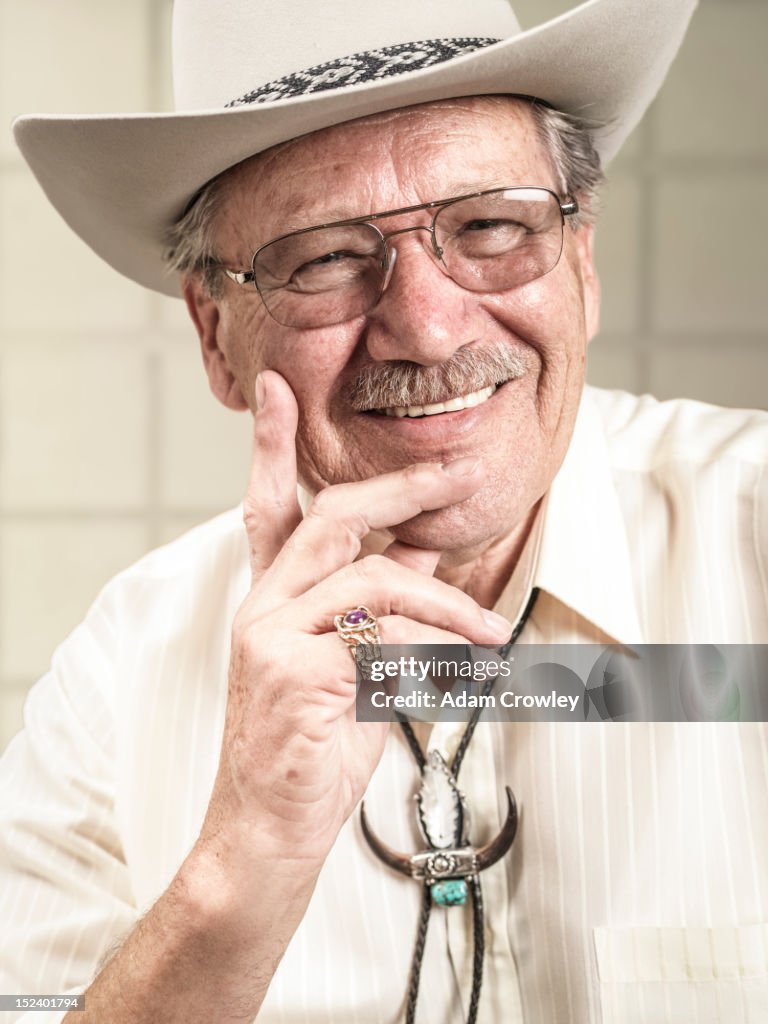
{"x": 570, "y": 206}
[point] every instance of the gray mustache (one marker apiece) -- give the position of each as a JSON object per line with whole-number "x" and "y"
{"x": 404, "y": 383}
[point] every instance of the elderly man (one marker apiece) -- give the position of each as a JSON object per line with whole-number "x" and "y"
{"x": 388, "y": 260}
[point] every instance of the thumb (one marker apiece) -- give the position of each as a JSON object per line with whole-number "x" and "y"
{"x": 270, "y": 507}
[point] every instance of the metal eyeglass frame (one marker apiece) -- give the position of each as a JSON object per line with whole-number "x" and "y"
{"x": 568, "y": 207}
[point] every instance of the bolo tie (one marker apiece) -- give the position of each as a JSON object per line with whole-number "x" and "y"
{"x": 449, "y": 868}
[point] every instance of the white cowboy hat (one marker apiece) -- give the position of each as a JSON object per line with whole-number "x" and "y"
{"x": 252, "y": 73}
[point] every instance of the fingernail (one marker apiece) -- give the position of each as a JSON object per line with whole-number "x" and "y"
{"x": 501, "y": 626}
{"x": 260, "y": 392}
{"x": 461, "y": 467}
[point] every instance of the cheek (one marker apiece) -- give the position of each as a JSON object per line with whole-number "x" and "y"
{"x": 314, "y": 364}
{"x": 311, "y": 370}
{"x": 547, "y": 316}
{"x": 322, "y": 456}
{"x": 242, "y": 341}
{"x": 311, "y": 361}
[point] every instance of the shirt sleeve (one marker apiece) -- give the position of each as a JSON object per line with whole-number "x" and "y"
{"x": 65, "y": 892}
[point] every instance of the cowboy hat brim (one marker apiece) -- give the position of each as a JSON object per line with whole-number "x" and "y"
{"x": 120, "y": 181}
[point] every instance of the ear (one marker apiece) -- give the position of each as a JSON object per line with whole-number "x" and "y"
{"x": 204, "y": 312}
{"x": 585, "y": 238}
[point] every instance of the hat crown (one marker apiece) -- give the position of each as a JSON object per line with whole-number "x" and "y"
{"x": 225, "y": 49}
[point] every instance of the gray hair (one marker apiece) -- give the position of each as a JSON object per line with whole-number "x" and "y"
{"x": 567, "y": 140}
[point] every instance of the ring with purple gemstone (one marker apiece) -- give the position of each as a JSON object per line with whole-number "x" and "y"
{"x": 358, "y": 627}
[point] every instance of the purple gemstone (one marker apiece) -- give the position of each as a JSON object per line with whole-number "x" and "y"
{"x": 355, "y": 617}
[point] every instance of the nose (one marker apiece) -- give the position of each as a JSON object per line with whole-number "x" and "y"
{"x": 422, "y": 316}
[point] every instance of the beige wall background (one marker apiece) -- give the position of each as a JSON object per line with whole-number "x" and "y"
{"x": 109, "y": 441}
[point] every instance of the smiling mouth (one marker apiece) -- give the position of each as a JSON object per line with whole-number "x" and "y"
{"x": 452, "y": 405}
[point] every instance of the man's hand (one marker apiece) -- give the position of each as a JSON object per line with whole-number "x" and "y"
{"x": 294, "y": 762}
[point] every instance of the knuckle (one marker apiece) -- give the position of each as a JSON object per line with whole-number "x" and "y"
{"x": 251, "y": 515}
{"x": 247, "y": 632}
{"x": 323, "y": 504}
{"x": 376, "y": 565}
{"x": 393, "y": 630}
{"x": 256, "y": 508}
{"x": 371, "y": 570}
{"x": 416, "y": 472}
{"x": 326, "y": 507}
{"x": 355, "y": 525}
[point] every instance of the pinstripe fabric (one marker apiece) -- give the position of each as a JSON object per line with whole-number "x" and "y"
{"x": 637, "y": 889}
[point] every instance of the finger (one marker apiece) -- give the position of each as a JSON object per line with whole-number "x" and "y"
{"x": 330, "y": 535}
{"x": 424, "y": 560}
{"x": 387, "y": 588}
{"x": 270, "y": 508}
{"x": 336, "y": 674}
{"x": 404, "y": 631}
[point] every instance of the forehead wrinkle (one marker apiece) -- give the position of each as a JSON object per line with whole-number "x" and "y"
{"x": 406, "y": 151}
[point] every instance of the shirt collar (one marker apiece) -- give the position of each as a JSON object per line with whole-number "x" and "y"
{"x": 584, "y": 556}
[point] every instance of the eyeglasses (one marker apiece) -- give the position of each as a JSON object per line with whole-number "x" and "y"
{"x": 486, "y": 242}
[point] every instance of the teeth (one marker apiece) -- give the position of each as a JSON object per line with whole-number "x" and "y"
{"x": 452, "y": 405}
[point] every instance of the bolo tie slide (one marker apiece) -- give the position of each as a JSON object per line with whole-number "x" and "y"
{"x": 449, "y": 869}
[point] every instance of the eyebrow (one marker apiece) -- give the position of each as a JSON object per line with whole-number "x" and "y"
{"x": 462, "y": 188}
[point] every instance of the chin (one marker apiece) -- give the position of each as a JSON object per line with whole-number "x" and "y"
{"x": 454, "y": 530}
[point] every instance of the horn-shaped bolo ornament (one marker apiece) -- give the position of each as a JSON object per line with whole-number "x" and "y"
{"x": 443, "y": 819}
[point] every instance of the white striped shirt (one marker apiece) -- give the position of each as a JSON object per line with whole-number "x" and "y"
{"x": 637, "y": 886}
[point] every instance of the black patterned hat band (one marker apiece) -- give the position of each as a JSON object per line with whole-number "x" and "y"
{"x": 360, "y": 68}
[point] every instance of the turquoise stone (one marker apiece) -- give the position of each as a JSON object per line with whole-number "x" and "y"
{"x": 450, "y": 893}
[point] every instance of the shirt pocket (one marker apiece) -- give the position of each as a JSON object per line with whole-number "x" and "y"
{"x": 683, "y": 975}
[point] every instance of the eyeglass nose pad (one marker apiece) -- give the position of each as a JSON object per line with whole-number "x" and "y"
{"x": 389, "y": 266}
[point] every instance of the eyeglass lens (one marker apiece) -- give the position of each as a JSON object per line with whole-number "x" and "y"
{"x": 487, "y": 243}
